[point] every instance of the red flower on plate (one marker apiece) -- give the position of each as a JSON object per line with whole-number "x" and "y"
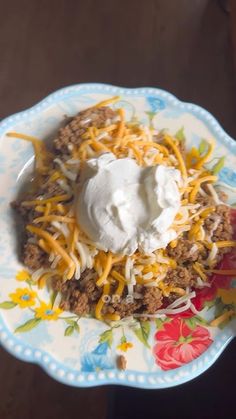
{"x": 217, "y": 281}
{"x": 177, "y": 344}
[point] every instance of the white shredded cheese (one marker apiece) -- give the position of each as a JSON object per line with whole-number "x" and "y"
{"x": 85, "y": 121}
{"x": 103, "y": 134}
{"x": 166, "y": 311}
{"x": 148, "y": 275}
{"x": 70, "y": 175}
{"x": 213, "y": 194}
{"x": 62, "y": 227}
{"x": 194, "y": 310}
{"x": 55, "y": 261}
{"x": 82, "y": 254}
{"x": 62, "y": 183}
{"x": 182, "y": 299}
{"x": 212, "y": 255}
{"x": 77, "y": 265}
{"x": 202, "y": 284}
{"x": 73, "y": 162}
{"x": 38, "y": 273}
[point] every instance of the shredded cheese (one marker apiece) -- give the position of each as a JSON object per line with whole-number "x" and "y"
{"x": 106, "y": 102}
{"x": 225, "y": 243}
{"x": 178, "y": 155}
{"x": 199, "y": 269}
{"x": 56, "y": 198}
{"x": 205, "y": 158}
{"x": 41, "y": 154}
{"x": 106, "y": 271}
{"x": 50, "y": 218}
{"x": 54, "y": 245}
{"x": 100, "y": 304}
{"x": 195, "y": 190}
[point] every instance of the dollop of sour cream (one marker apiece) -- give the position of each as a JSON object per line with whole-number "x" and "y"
{"x": 123, "y": 207}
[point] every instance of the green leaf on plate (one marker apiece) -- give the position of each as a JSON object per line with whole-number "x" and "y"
{"x": 191, "y": 323}
{"x": 218, "y": 166}
{"x": 29, "y": 325}
{"x": 30, "y": 282}
{"x": 76, "y": 327}
{"x": 7, "y": 305}
{"x": 106, "y": 336}
{"x": 180, "y": 134}
{"x": 159, "y": 323}
{"x": 150, "y": 114}
{"x": 69, "y": 330}
{"x": 201, "y": 320}
{"x": 70, "y": 321}
{"x": 203, "y": 147}
{"x": 143, "y": 333}
{"x": 53, "y": 296}
{"x": 123, "y": 339}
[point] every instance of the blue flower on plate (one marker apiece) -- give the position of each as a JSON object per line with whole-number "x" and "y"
{"x": 155, "y": 103}
{"x": 97, "y": 359}
{"x": 228, "y": 176}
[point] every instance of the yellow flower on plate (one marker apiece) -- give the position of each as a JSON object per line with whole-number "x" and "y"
{"x": 125, "y": 346}
{"x": 23, "y": 276}
{"x": 24, "y": 297}
{"x": 46, "y": 312}
{"x": 227, "y": 296}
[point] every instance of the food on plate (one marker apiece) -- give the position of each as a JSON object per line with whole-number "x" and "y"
{"x": 121, "y": 219}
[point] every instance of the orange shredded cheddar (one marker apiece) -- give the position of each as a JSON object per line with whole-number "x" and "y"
{"x": 205, "y": 158}
{"x": 195, "y": 190}
{"x": 106, "y": 271}
{"x": 178, "y": 155}
{"x": 57, "y": 198}
{"x": 54, "y": 245}
{"x": 100, "y": 304}
{"x": 107, "y": 102}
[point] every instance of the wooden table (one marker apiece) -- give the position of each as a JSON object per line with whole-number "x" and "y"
{"x": 182, "y": 46}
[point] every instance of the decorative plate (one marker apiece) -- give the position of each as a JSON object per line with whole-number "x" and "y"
{"x": 83, "y": 352}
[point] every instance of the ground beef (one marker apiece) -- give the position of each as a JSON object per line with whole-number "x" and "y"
{"x": 93, "y": 292}
{"x": 205, "y": 200}
{"x": 180, "y": 277}
{"x": 49, "y": 189}
{"x": 152, "y": 299}
{"x": 34, "y": 257}
{"x": 72, "y": 132}
{"x": 78, "y": 295}
{"x": 123, "y": 308}
{"x": 224, "y": 231}
{"x": 184, "y": 251}
{"x": 121, "y": 362}
{"x": 218, "y": 225}
{"x": 72, "y": 298}
{"x": 27, "y": 213}
{"x": 77, "y": 303}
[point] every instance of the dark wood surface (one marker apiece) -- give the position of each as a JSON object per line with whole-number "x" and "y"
{"x": 182, "y": 46}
